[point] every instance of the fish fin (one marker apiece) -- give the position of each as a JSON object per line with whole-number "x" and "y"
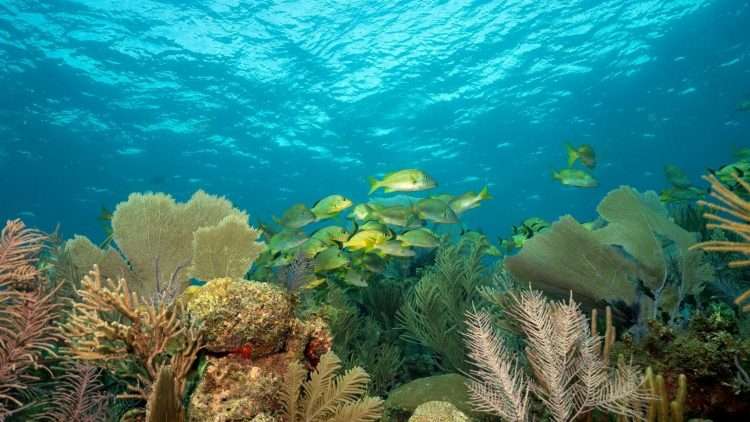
{"x": 484, "y": 194}
{"x": 374, "y": 184}
{"x": 572, "y": 154}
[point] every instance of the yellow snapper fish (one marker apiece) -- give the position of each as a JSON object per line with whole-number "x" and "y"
{"x": 330, "y": 206}
{"x": 377, "y": 226}
{"x": 312, "y": 247}
{"x": 297, "y": 216}
{"x": 724, "y": 173}
{"x": 408, "y": 180}
{"x": 331, "y": 234}
{"x": 585, "y": 153}
{"x": 445, "y": 197}
{"x": 743, "y": 105}
{"x": 468, "y": 200}
{"x": 397, "y": 215}
{"x": 286, "y": 239}
{"x": 366, "y": 239}
{"x": 372, "y": 262}
{"x": 361, "y": 212}
{"x": 355, "y": 278}
{"x": 436, "y": 211}
{"x": 420, "y": 238}
{"x": 676, "y": 177}
{"x": 576, "y": 178}
{"x": 676, "y": 195}
{"x": 394, "y": 248}
{"x": 330, "y": 259}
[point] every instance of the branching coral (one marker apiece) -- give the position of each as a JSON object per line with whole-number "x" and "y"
{"x": 113, "y": 327}
{"x": 570, "y": 377}
{"x": 326, "y": 397}
{"x": 738, "y": 223}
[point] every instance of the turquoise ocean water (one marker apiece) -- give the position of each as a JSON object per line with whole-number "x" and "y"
{"x": 277, "y": 102}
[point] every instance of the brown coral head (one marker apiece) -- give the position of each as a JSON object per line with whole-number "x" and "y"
{"x": 320, "y": 343}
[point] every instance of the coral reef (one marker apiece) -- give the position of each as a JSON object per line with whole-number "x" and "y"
{"x": 113, "y": 327}
{"x": 235, "y": 312}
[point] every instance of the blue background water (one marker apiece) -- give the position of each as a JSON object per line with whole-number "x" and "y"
{"x": 277, "y": 102}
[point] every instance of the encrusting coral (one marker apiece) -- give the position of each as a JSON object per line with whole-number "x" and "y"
{"x": 113, "y": 327}
{"x": 236, "y": 312}
{"x": 570, "y": 377}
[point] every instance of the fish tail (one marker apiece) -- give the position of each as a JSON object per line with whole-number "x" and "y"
{"x": 572, "y": 154}
{"x": 374, "y": 184}
{"x": 556, "y": 175}
{"x": 484, "y": 194}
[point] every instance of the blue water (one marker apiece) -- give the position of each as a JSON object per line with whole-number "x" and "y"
{"x": 278, "y": 102}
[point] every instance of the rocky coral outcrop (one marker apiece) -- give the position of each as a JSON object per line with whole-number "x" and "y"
{"x": 236, "y": 313}
{"x": 253, "y": 337}
{"x": 450, "y": 388}
{"x": 438, "y": 411}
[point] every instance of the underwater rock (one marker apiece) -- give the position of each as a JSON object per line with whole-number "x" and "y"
{"x": 237, "y": 313}
{"x": 237, "y": 388}
{"x": 438, "y": 411}
{"x": 450, "y": 388}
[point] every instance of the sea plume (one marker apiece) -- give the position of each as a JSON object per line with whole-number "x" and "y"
{"x": 568, "y": 374}
{"x": 27, "y": 315}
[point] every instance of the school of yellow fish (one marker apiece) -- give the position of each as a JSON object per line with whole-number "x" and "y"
{"x": 375, "y": 232}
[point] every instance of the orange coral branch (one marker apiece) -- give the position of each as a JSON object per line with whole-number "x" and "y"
{"x": 734, "y": 206}
{"x": 140, "y": 336}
